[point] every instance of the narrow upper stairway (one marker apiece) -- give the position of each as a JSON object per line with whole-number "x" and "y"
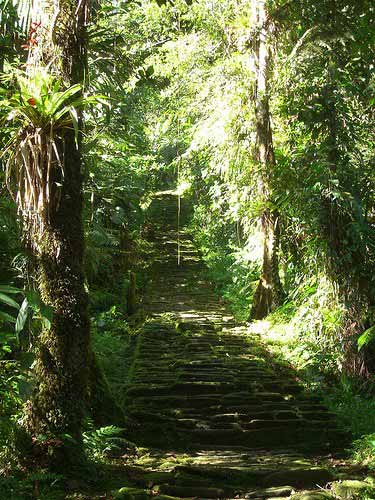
{"x": 223, "y": 418}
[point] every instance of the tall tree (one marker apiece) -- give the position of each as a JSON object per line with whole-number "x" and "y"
{"x": 47, "y": 171}
{"x": 269, "y": 292}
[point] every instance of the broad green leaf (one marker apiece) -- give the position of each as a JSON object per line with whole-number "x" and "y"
{"x": 8, "y": 301}
{"x": 7, "y": 317}
{"x": 366, "y": 337}
{"x": 9, "y": 289}
{"x": 59, "y": 99}
{"x": 22, "y": 316}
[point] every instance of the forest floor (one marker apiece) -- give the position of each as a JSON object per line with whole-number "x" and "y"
{"x": 214, "y": 414}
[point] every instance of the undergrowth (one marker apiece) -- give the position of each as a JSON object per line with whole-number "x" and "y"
{"x": 305, "y": 331}
{"x": 232, "y": 266}
{"x": 113, "y": 343}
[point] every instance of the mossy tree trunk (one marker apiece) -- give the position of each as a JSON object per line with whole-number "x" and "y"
{"x": 347, "y": 260}
{"x": 57, "y": 406}
{"x": 269, "y": 291}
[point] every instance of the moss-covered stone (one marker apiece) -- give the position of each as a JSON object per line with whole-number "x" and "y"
{"x": 312, "y": 495}
{"x": 148, "y": 480}
{"x": 127, "y": 493}
{"x": 350, "y": 489}
{"x": 166, "y": 497}
{"x": 192, "y": 491}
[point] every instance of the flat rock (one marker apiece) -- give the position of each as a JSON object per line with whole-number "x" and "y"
{"x": 127, "y": 493}
{"x": 300, "y": 478}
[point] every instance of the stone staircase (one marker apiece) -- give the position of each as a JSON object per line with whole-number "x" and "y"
{"x": 218, "y": 415}
{"x": 199, "y": 387}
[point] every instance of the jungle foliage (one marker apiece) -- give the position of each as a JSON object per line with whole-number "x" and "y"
{"x": 171, "y": 101}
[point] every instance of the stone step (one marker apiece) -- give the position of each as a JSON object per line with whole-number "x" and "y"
{"x": 182, "y": 388}
{"x": 192, "y": 492}
{"x": 179, "y": 401}
{"x": 271, "y": 438}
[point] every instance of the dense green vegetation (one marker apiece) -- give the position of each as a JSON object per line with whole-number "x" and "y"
{"x": 260, "y": 115}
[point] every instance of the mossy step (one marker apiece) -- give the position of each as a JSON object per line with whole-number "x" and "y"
{"x": 244, "y": 411}
{"x": 266, "y": 406}
{"x": 141, "y": 415}
{"x": 246, "y": 396}
{"x": 178, "y": 401}
{"x": 183, "y": 388}
{"x": 203, "y": 363}
{"x": 165, "y": 363}
{"x": 193, "y": 491}
{"x": 352, "y": 489}
{"x": 284, "y": 424}
{"x": 163, "y": 380}
{"x": 254, "y": 371}
{"x": 300, "y": 478}
{"x": 128, "y": 493}
{"x": 190, "y": 423}
{"x": 153, "y": 354}
{"x": 321, "y": 415}
{"x": 313, "y": 495}
{"x": 273, "y": 437}
{"x": 268, "y": 493}
{"x": 216, "y": 371}
{"x": 277, "y": 386}
{"x": 258, "y": 415}
{"x": 242, "y": 475}
{"x": 214, "y": 375}
{"x": 249, "y": 407}
{"x": 241, "y": 417}
{"x": 149, "y": 479}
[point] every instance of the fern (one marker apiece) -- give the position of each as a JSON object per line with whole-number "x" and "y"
{"x": 105, "y": 441}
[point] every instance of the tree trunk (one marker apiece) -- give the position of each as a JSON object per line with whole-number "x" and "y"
{"x": 62, "y": 364}
{"x": 269, "y": 291}
{"x": 350, "y": 276}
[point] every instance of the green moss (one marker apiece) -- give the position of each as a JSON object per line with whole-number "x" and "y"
{"x": 351, "y": 489}
{"x": 127, "y": 493}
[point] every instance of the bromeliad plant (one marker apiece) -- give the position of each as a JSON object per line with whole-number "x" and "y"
{"x": 39, "y": 112}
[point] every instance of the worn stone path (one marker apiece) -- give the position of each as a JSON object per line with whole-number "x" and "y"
{"x": 221, "y": 417}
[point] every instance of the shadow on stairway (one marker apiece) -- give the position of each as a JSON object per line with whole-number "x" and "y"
{"x": 217, "y": 416}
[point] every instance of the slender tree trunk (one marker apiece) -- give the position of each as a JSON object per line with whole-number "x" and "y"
{"x": 63, "y": 352}
{"x": 269, "y": 291}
